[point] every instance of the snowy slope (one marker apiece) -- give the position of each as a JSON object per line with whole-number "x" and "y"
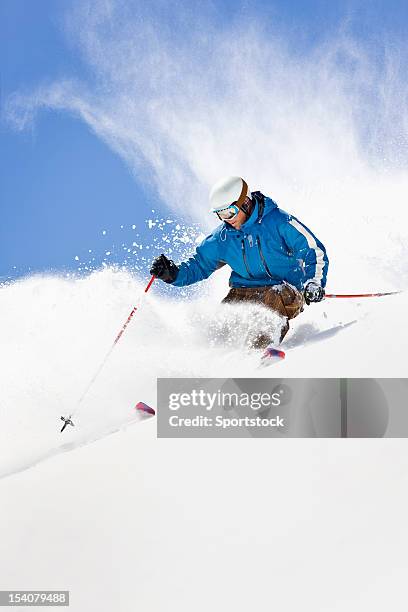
{"x": 135, "y": 523}
{"x": 50, "y": 351}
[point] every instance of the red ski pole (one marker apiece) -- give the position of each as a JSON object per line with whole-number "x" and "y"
{"x": 360, "y": 295}
{"x": 108, "y": 354}
{"x": 118, "y": 337}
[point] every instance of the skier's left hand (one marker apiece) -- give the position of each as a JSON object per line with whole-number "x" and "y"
{"x": 313, "y": 292}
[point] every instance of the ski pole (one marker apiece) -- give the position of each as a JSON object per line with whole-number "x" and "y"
{"x": 360, "y": 295}
{"x": 118, "y": 337}
{"x": 108, "y": 354}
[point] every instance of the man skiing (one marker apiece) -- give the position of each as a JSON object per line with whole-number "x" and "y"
{"x": 275, "y": 259}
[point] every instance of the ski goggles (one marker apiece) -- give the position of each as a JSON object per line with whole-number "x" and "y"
{"x": 228, "y": 213}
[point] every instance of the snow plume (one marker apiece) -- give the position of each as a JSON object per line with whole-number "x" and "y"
{"x": 50, "y": 353}
{"x": 183, "y": 98}
{"x": 138, "y": 248}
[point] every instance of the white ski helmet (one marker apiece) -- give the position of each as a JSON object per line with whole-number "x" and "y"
{"x": 228, "y": 190}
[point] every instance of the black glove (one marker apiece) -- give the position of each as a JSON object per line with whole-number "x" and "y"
{"x": 313, "y": 292}
{"x": 165, "y": 269}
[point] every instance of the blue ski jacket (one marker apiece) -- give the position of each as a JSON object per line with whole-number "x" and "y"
{"x": 272, "y": 246}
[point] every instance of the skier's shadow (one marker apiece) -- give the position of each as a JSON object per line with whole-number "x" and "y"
{"x": 307, "y": 334}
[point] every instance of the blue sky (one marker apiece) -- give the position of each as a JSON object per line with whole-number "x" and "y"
{"x": 61, "y": 183}
{"x": 61, "y": 186}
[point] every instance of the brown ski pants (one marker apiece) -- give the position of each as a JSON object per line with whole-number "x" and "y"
{"x": 283, "y": 299}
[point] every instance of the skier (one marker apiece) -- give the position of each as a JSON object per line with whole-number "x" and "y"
{"x": 275, "y": 259}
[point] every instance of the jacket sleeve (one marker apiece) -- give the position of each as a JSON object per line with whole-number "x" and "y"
{"x": 203, "y": 263}
{"x": 307, "y": 249}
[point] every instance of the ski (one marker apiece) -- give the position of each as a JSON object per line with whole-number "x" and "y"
{"x": 145, "y": 409}
{"x": 78, "y": 441}
{"x": 273, "y": 355}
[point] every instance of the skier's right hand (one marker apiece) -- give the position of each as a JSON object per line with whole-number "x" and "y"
{"x": 164, "y": 268}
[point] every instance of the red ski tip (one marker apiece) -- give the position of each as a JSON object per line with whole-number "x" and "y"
{"x": 272, "y": 352}
{"x": 145, "y": 408}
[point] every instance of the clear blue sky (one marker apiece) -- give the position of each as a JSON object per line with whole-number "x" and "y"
{"x": 60, "y": 184}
